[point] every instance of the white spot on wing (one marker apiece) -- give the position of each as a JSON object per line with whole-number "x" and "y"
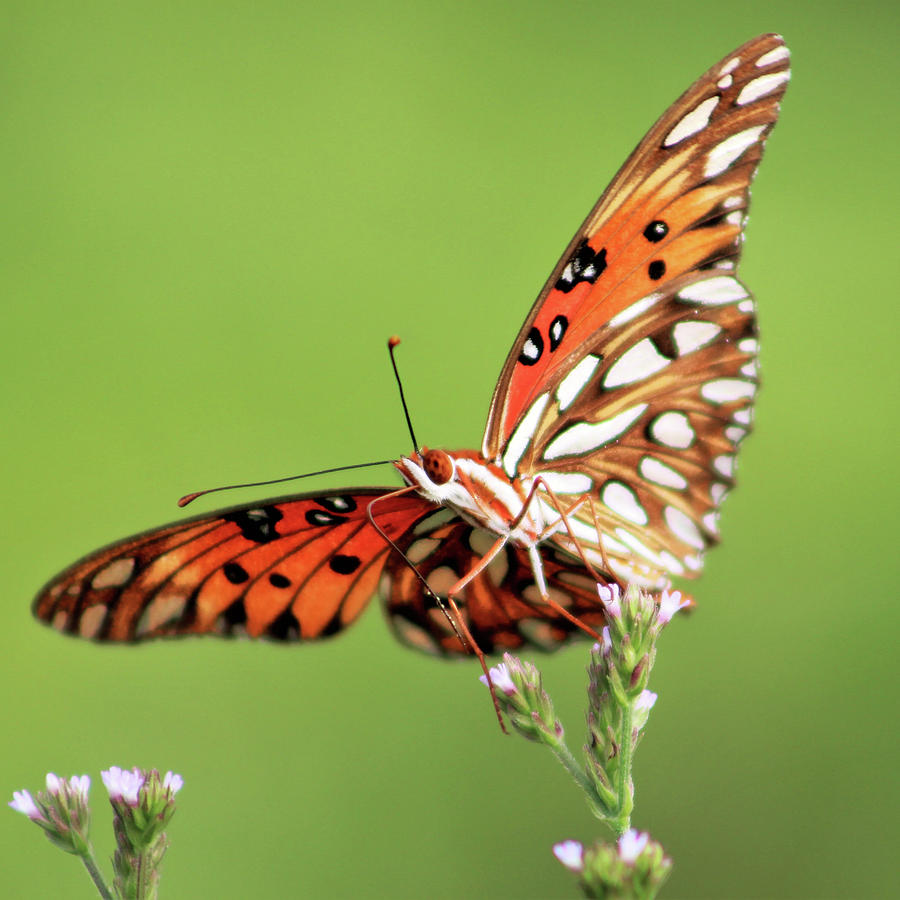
{"x": 521, "y": 437}
{"x": 724, "y": 465}
{"x": 114, "y": 574}
{"x": 743, "y": 416}
{"x": 481, "y": 541}
{"x": 725, "y": 82}
{"x": 695, "y": 563}
{"x": 163, "y": 609}
{"x": 638, "y": 362}
{"x": 622, "y": 500}
{"x": 711, "y": 522}
{"x": 735, "y": 433}
{"x": 673, "y": 429}
{"x": 421, "y": 548}
{"x": 530, "y": 350}
{"x": 732, "y": 202}
{"x": 714, "y": 291}
{"x": 91, "y": 620}
{"x": 638, "y": 546}
{"x": 730, "y": 66}
{"x": 683, "y": 527}
{"x": 672, "y": 563}
{"x": 727, "y": 390}
{"x": 567, "y": 482}
{"x": 718, "y": 492}
{"x": 728, "y": 151}
{"x": 761, "y": 86}
{"x": 572, "y": 385}
{"x": 633, "y": 311}
{"x": 584, "y": 437}
{"x": 440, "y": 580}
{"x": 748, "y": 345}
{"x": 693, "y": 335}
{"x": 745, "y": 306}
{"x": 773, "y": 56}
{"x": 696, "y": 120}
{"x": 659, "y": 473}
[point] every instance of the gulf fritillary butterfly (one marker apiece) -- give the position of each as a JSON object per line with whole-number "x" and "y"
{"x": 610, "y": 442}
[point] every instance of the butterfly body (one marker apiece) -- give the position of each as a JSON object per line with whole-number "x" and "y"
{"x": 479, "y": 491}
{"x": 610, "y": 443}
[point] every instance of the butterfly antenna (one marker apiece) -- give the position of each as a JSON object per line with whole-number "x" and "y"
{"x": 392, "y": 342}
{"x": 190, "y": 498}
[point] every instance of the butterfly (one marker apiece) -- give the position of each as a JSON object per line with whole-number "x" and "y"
{"x": 609, "y": 448}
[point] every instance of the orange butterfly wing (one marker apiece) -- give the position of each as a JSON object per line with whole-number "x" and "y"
{"x": 295, "y": 568}
{"x": 501, "y": 606}
{"x": 633, "y": 377}
{"x": 669, "y": 211}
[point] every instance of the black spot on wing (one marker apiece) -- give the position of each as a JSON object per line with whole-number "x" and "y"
{"x": 337, "y": 504}
{"x": 532, "y": 349}
{"x": 235, "y": 614}
{"x": 284, "y": 627}
{"x": 583, "y": 265}
{"x": 276, "y": 579}
{"x": 343, "y": 564}
{"x": 656, "y": 269}
{"x": 235, "y": 573}
{"x": 557, "y": 331}
{"x": 257, "y": 525}
{"x": 319, "y": 518}
{"x": 656, "y": 231}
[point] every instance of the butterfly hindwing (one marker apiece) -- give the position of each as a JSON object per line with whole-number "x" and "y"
{"x": 294, "y": 568}
{"x": 633, "y": 376}
{"x": 502, "y": 606}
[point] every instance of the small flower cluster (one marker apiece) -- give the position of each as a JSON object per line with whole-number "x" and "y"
{"x": 142, "y": 802}
{"x": 619, "y": 701}
{"x": 619, "y": 705}
{"x": 61, "y": 811}
{"x": 634, "y": 867}
{"x": 522, "y": 697}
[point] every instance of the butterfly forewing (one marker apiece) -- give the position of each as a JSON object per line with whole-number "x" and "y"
{"x": 295, "y": 568}
{"x": 633, "y": 375}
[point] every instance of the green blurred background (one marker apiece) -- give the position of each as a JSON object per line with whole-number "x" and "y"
{"x": 215, "y": 215}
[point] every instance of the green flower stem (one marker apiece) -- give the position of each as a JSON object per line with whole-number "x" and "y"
{"x": 144, "y": 882}
{"x": 94, "y": 871}
{"x": 569, "y": 763}
{"x": 622, "y": 822}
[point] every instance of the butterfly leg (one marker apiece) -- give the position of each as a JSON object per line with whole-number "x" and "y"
{"x": 453, "y": 614}
{"x": 564, "y": 515}
{"x": 460, "y": 623}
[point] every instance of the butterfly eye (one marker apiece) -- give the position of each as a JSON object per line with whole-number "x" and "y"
{"x": 438, "y": 466}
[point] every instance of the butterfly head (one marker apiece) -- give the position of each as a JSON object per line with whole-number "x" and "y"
{"x": 428, "y": 469}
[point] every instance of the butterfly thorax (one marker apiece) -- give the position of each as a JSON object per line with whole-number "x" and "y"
{"x": 479, "y": 491}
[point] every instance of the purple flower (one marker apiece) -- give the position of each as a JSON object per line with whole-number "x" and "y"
{"x": 669, "y": 604}
{"x": 24, "y": 803}
{"x": 631, "y": 845}
{"x": 570, "y": 854}
{"x": 609, "y": 595}
{"x": 123, "y": 784}
{"x": 500, "y": 679}
{"x": 172, "y": 782}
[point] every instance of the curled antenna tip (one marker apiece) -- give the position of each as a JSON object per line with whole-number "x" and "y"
{"x": 393, "y": 341}
{"x": 189, "y": 498}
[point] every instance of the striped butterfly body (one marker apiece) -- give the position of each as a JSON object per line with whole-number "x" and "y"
{"x": 609, "y": 447}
